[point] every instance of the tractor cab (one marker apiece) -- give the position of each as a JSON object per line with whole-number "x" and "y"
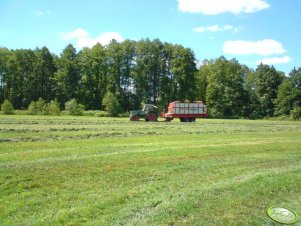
{"x": 149, "y": 108}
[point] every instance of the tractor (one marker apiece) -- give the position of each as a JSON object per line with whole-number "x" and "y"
{"x": 149, "y": 112}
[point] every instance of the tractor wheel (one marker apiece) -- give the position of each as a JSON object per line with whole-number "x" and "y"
{"x": 134, "y": 118}
{"x": 152, "y": 117}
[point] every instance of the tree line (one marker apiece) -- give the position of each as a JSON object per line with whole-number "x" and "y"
{"x": 146, "y": 71}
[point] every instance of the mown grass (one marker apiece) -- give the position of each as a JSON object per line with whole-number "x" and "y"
{"x": 107, "y": 171}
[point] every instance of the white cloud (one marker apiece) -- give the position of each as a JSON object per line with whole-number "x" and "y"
{"x": 215, "y": 28}
{"x": 76, "y": 34}
{"x": 83, "y": 38}
{"x": 275, "y": 60}
{"x": 214, "y": 7}
{"x": 42, "y": 13}
{"x": 263, "y": 47}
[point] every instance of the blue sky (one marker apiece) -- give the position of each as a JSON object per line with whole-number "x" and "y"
{"x": 251, "y": 31}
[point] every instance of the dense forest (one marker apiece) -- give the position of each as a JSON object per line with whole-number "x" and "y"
{"x": 146, "y": 71}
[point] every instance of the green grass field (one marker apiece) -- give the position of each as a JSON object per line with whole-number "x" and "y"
{"x": 110, "y": 171}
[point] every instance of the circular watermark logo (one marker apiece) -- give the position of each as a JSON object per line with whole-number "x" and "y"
{"x": 282, "y": 215}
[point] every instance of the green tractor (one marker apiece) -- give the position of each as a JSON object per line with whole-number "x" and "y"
{"x": 149, "y": 112}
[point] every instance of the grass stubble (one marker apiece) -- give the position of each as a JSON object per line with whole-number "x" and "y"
{"x": 109, "y": 171}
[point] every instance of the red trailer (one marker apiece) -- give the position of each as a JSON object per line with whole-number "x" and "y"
{"x": 186, "y": 112}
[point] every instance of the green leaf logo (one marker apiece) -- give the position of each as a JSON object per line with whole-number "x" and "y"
{"x": 282, "y": 215}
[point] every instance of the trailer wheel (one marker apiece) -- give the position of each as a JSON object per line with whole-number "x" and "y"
{"x": 152, "y": 117}
{"x": 192, "y": 120}
{"x": 134, "y": 118}
{"x": 185, "y": 119}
